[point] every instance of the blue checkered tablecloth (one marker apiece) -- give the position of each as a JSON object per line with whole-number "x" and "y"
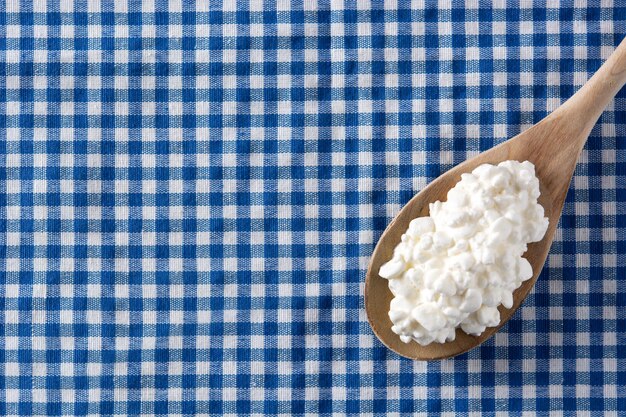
{"x": 189, "y": 195}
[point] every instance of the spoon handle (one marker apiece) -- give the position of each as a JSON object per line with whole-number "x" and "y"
{"x": 589, "y": 102}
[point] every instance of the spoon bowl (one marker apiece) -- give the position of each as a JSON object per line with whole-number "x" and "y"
{"x": 553, "y": 145}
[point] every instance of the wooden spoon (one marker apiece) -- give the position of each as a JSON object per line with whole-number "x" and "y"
{"x": 553, "y": 145}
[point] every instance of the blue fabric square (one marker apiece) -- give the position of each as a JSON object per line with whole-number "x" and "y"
{"x": 189, "y": 196}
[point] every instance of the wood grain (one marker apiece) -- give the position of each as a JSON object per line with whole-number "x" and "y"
{"x": 553, "y": 145}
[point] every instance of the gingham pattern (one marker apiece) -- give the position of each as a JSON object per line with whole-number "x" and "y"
{"x": 189, "y": 196}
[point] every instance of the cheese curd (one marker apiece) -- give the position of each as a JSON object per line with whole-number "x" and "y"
{"x": 455, "y": 267}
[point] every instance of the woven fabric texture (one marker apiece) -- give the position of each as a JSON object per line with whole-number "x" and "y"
{"x": 189, "y": 195}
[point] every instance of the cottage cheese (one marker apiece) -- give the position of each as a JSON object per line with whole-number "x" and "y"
{"x": 455, "y": 267}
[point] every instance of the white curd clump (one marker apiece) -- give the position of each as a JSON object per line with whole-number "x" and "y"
{"x": 455, "y": 267}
